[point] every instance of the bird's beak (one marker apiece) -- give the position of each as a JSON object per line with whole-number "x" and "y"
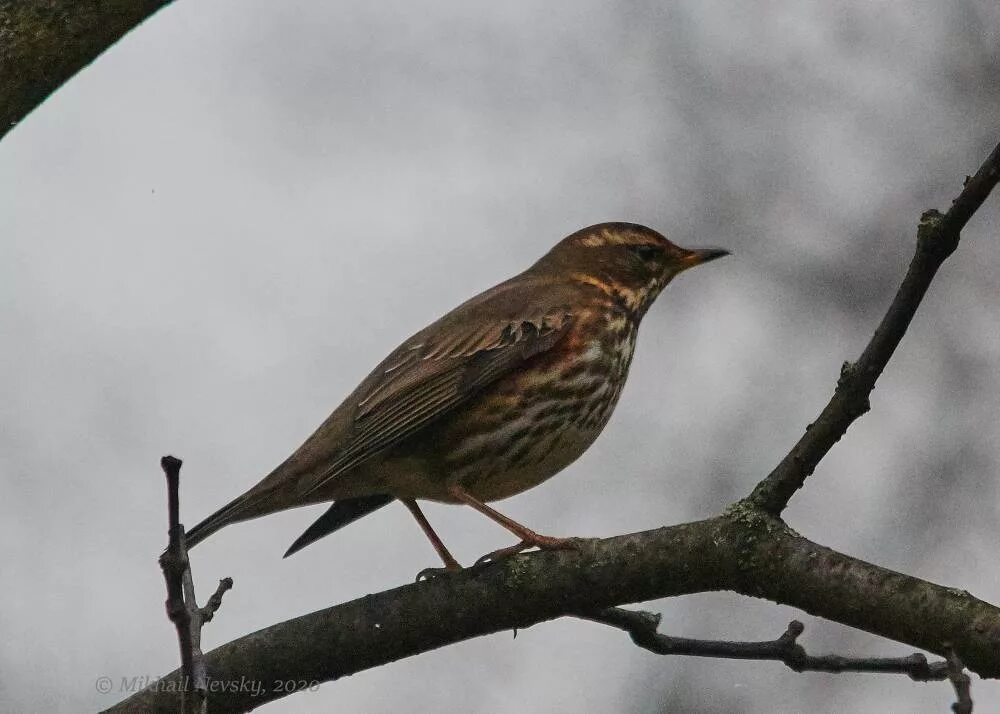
{"x": 701, "y": 255}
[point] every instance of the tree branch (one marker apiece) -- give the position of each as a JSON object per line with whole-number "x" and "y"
{"x": 182, "y": 605}
{"x": 215, "y": 602}
{"x": 45, "y": 42}
{"x": 937, "y": 238}
{"x": 743, "y": 551}
{"x": 642, "y": 628}
{"x": 963, "y": 685}
{"x": 176, "y": 569}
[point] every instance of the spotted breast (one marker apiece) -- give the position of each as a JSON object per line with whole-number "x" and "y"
{"x": 531, "y": 425}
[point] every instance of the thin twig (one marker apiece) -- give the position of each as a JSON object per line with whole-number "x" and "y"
{"x": 215, "y": 602}
{"x": 977, "y": 189}
{"x": 642, "y": 627}
{"x": 174, "y": 563}
{"x": 962, "y": 683}
{"x": 937, "y": 238}
{"x": 182, "y": 605}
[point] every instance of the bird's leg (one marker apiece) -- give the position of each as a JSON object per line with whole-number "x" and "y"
{"x": 450, "y": 564}
{"x": 528, "y": 537}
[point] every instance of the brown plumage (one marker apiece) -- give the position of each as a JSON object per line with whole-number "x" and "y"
{"x": 495, "y": 397}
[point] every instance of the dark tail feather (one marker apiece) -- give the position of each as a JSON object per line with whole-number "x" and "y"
{"x": 232, "y": 512}
{"x": 340, "y": 514}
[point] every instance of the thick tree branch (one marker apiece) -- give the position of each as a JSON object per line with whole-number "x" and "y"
{"x": 937, "y": 238}
{"x": 45, "y": 42}
{"x": 642, "y": 628}
{"x": 742, "y": 551}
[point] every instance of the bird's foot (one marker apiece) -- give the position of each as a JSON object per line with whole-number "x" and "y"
{"x": 536, "y": 541}
{"x": 502, "y": 553}
{"x": 431, "y": 573}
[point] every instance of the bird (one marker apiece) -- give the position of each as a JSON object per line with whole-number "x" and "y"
{"x": 490, "y": 400}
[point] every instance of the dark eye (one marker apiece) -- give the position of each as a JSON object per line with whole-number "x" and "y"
{"x": 645, "y": 253}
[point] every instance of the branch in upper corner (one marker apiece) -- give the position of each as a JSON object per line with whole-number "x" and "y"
{"x": 974, "y": 194}
{"x": 182, "y": 605}
{"x": 937, "y": 238}
{"x": 45, "y": 42}
{"x": 642, "y": 628}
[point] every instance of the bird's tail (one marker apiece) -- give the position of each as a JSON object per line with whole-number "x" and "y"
{"x": 340, "y": 514}
{"x": 241, "y": 509}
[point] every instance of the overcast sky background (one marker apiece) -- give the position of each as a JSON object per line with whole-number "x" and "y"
{"x": 214, "y": 232}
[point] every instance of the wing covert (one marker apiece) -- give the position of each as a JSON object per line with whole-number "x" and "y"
{"x": 432, "y": 374}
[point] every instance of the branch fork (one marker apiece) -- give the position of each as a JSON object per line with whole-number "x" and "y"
{"x": 182, "y": 605}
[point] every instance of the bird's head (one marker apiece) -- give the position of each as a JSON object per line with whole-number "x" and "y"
{"x": 628, "y": 261}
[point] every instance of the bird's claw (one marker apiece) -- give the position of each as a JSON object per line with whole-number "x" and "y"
{"x": 493, "y": 557}
{"x": 498, "y": 555}
{"x": 431, "y": 573}
{"x": 542, "y": 543}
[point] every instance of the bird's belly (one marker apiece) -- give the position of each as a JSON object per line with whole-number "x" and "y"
{"x": 490, "y": 466}
{"x": 517, "y": 470}
{"x": 531, "y": 426}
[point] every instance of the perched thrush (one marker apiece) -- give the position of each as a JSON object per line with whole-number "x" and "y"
{"x": 495, "y": 397}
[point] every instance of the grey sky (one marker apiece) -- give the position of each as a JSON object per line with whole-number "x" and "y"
{"x": 210, "y": 235}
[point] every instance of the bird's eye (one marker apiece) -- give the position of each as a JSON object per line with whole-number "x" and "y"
{"x": 645, "y": 253}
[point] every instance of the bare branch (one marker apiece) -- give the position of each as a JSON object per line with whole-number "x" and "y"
{"x": 937, "y": 238}
{"x": 962, "y": 683}
{"x": 742, "y": 551}
{"x": 215, "y": 602}
{"x": 175, "y": 566}
{"x": 182, "y": 605}
{"x": 642, "y": 627}
{"x": 977, "y": 189}
{"x": 45, "y": 42}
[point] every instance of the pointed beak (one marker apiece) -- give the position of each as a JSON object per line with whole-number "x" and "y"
{"x": 701, "y": 255}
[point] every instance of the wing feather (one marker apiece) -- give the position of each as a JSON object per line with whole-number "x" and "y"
{"x": 427, "y": 378}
